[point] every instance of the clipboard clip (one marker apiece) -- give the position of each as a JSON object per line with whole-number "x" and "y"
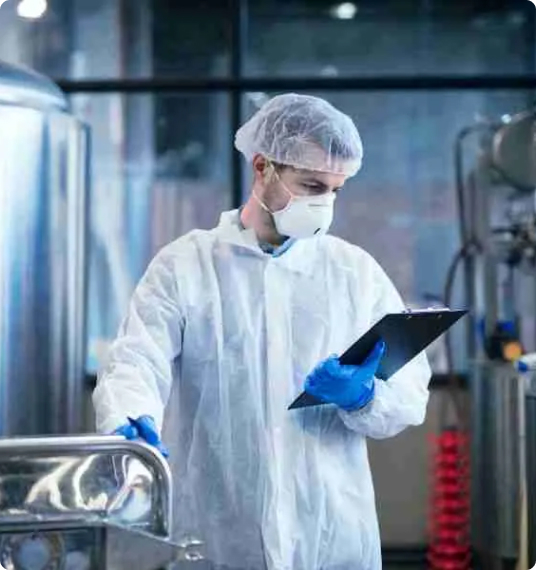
{"x": 426, "y": 310}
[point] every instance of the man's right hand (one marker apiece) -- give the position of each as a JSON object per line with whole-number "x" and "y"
{"x": 144, "y": 428}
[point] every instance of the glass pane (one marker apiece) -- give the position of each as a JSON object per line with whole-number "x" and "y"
{"x": 299, "y": 38}
{"x": 83, "y": 39}
{"x": 401, "y": 207}
{"x": 160, "y": 167}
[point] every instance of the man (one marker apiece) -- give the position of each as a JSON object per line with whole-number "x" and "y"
{"x": 234, "y": 322}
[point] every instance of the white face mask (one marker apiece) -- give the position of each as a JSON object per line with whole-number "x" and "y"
{"x": 303, "y": 216}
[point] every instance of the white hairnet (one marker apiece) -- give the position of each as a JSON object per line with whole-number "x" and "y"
{"x": 304, "y": 132}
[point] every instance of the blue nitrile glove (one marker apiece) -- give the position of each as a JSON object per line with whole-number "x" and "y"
{"x": 143, "y": 428}
{"x": 350, "y": 387}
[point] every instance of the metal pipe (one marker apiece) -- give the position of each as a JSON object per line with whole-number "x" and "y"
{"x": 468, "y": 235}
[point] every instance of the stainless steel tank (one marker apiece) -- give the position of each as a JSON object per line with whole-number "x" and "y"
{"x": 530, "y": 408}
{"x": 43, "y": 222}
{"x": 497, "y": 401}
{"x": 514, "y": 150}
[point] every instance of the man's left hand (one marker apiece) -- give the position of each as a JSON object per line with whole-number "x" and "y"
{"x": 349, "y": 387}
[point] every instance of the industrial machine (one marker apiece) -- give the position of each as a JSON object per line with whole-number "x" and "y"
{"x": 43, "y": 205}
{"x": 87, "y": 503}
{"x": 497, "y": 208}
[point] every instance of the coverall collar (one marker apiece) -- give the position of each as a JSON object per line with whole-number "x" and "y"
{"x": 297, "y": 255}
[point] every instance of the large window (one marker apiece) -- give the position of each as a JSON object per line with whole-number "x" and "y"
{"x": 371, "y": 38}
{"x": 83, "y": 39}
{"x": 160, "y": 167}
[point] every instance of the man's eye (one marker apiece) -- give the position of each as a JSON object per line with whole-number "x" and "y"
{"x": 313, "y": 187}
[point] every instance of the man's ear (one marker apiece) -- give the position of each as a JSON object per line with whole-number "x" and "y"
{"x": 262, "y": 168}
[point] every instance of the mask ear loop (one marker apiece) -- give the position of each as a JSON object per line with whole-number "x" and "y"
{"x": 261, "y": 203}
{"x": 268, "y": 172}
{"x": 271, "y": 167}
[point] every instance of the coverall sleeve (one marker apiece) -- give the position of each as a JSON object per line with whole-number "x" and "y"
{"x": 137, "y": 377}
{"x": 402, "y": 400}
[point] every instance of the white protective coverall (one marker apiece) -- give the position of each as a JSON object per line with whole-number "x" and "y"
{"x": 231, "y": 333}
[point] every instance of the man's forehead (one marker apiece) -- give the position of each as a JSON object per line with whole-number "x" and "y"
{"x": 306, "y": 172}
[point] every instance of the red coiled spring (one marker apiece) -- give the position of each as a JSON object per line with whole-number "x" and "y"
{"x": 449, "y": 524}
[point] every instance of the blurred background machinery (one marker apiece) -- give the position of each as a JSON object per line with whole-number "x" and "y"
{"x": 497, "y": 208}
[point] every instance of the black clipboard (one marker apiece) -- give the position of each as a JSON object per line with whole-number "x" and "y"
{"x": 405, "y": 335}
